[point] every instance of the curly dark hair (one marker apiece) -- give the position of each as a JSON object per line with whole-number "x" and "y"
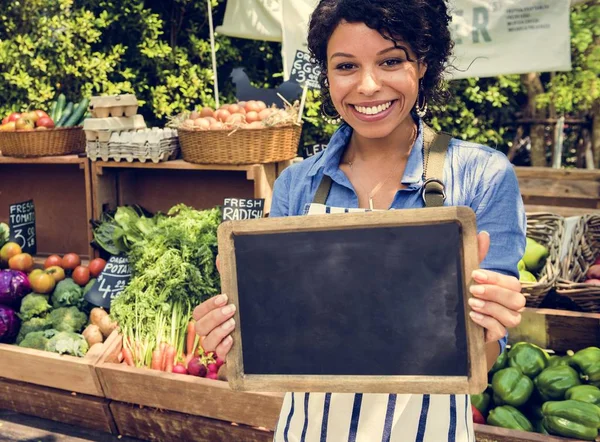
{"x": 423, "y": 24}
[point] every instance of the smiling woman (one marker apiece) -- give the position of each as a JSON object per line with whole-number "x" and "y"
{"x": 382, "y": 63}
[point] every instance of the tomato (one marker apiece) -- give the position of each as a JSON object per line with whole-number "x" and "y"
{"x": 477, "y": 416}
{"x": 70, "y": 261}
{"x": 96, "y": 266}
{"x": 52, "y": 260}
{"x": 45, "y": 122}
{"x": 34, "y": 273}
{"x": 14, "y": 116}
{"x": 24, "y": 124}
{"x": 81, "y": 275}
{"x": 42, "y": 283}
{"x": 9, "y": 250}
{"x": 57, "y": 273}
{"x": 22, "y": 262}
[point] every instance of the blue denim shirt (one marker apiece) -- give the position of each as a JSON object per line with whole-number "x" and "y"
{"x": 475, "y": 176}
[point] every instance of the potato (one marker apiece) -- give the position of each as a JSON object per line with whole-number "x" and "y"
{"x": 107, "y": 325}
{"x": 594, "y": 272}
{"x": 93, "y": 335}
{"x": 97, "y": 314}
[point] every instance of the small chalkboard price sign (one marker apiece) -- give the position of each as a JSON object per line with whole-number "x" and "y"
{"x": 113, "y": 279}
{"x": 354, "y": 303}
{"x": 304, "y": 71}
{"x": 235, "y": 209}
{"x": 22, "y": 226}
{"x": 312, "y": 149}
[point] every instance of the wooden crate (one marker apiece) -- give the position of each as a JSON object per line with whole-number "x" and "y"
{"x": 163, "y": 425}
{"x": 61, "y": 406}
{"x": 185, "y": 394}
{"x": 158, "y": 187}
{"x": 558, "y": 330}
{"x": 565, "y": 192}
{"x": 63, "y": 372}
{"x": 61, "y": 190}
{"x": 487, "y": 433}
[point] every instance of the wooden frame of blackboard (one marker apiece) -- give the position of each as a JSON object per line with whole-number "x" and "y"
{"x": 474, "y": 381}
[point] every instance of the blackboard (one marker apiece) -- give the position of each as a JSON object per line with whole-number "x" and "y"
{"x": 312, "y": 149}
{"x": 304, "y": 71}
{"x": 242, "y": 208}
{"x": 21, "y": 219}
{"x": 111, "y": 281}
{"x": 368, "y": 302}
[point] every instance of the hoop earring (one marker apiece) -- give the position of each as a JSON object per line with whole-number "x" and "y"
{"x": 328, "y": 118}
{"x": 421, "y": 109}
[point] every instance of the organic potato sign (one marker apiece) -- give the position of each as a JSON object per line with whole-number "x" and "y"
{"x": 111, "y": 282}
{"x": 22, "y": 226}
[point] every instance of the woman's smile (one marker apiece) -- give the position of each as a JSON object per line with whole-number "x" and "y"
{"x": 373, "y": 111}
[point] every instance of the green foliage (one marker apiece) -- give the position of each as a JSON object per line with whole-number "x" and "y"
{"x": 575, "y": 91}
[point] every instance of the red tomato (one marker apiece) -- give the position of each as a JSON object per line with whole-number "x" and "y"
{"x": 52, "y": 260}
{"x": 45, "y": 122}
{"x": 96, "y": 266}
{"x": 70, "y": 261}
{"x": 81, "y": 275}
{"x": 14, "y": 116}
{"x": 477, "y": 416}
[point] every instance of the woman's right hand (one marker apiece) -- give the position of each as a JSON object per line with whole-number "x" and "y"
{"x": 214, "y": 321}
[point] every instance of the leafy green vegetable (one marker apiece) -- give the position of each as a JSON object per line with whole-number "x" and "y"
{"x": 69, "y": 343}
{"x": 68, "y": 294}
{"x": 4, "y": 233}
{"x": 68, "y": 319}
{"x": 33, "y": 325}
{"x": 34, "y": 305}
{"x": 173, "y": 269}
{"x": 89, "y": 286}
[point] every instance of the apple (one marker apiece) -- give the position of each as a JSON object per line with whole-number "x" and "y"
{"x": 14, "y": 116}
{"x": 45, "y": 122}
{"x": 41, "y": 113}
{"x": 24, "y": 124}
{"x": 32, "y": 116}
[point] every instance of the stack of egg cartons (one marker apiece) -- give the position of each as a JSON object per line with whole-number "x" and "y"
{"x": 117, "y": 132}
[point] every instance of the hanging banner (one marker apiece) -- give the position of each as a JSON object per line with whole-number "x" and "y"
{"x": 496, "y": 37}
{"x": 492, "y": 37}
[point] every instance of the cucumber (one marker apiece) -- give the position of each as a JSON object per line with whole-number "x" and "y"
{"x": 61, "y": 102}
{"x": 78, "y": 113}
{"x": 88, "y": 114}
{"x": 52, "y": 113}
{"x": 65, "y": 115}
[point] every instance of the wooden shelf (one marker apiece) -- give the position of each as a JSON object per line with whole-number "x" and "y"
{"x": 173, "y": 165}
{"x": 63, "y": 159}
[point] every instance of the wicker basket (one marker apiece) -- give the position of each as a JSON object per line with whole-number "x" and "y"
{"x": 548, "y": 230}
{"x": 583, "y": 248}
{"x": 41, "y": 143}
{"x": 243, "y": 146}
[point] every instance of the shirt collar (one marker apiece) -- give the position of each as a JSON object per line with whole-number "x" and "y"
{"x": 330, "y": 160}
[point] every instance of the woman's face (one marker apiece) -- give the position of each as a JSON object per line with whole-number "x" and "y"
{"x": 373, "y": 84}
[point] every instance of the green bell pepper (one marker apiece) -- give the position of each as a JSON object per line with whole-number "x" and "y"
{"x": 560, "y": 360}
{"x": 553, "y": 382}
{"x": 588, "y": 362}
{"x": 506, "y": 416}
{"x": 511, "y": 387}
{"x": 584, "y": 393}
{"x": 481, "y": 402}
{"x": 574, "y": 419}
{"x": 500, "y": 362}
{"x": 529, "y": 358}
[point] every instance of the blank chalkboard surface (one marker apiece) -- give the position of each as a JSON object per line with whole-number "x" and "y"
{"x": 370, "y": 302}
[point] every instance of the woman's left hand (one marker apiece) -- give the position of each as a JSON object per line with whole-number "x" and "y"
{"x": 497, "y": 300}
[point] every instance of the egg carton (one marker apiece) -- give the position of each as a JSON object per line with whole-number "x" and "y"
{"x": 102, "y": 128}
{"x": 113, "y": 106}
{"x": 148, "y": 144}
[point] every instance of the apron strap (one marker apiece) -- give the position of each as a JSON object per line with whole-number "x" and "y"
{"x": 434, "y": 155}
{"x": 323, "y": 190}
{"x": 435, "y": 146}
